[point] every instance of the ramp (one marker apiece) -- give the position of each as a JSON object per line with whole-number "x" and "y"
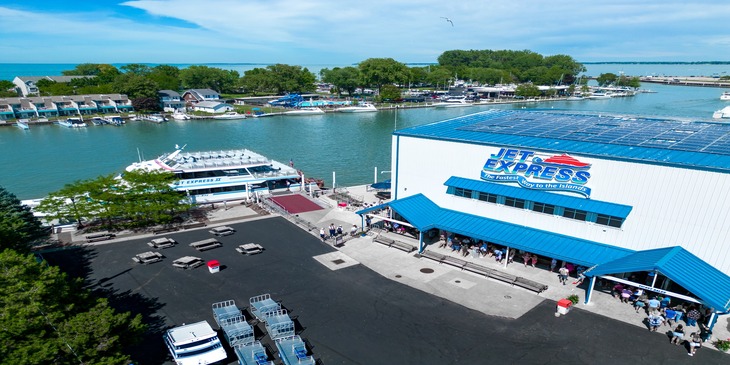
{"x": 295, "y": 203}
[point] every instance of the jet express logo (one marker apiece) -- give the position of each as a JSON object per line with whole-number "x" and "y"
{"x": 556, "y": 173}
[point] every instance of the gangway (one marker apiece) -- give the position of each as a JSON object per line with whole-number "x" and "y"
{"x": 223, "y": 310}
{"x": 253, "y": 353}
{"x": 278, "y": 324}
{"x": 237, "y": 331}
{"x": 262, "y": 304}
{"x": 293, "y": 351}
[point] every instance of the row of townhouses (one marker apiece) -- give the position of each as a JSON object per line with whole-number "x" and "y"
{"x": 58, "y": 106}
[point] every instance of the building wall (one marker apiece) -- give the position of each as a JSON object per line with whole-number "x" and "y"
{"x": 671, "y": 206}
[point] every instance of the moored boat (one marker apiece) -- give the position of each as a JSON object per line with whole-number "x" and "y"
{"x": 722, "y": 113}
{"x": 305, "y": 111}
{"x": 72, "y": 123}
{"x": 230, "y": 116}
{"x": 180, "y": 115}
{"x": 452, "y": 103}
{"x": 114, "y": 120}
{"x": 216, "y": 176}
{"x": 575, "y": 98}
{"x": 362, "y": 107}
{"x": 725, "y": 96}
{"x": 155, "y": 118}
{"x": 22, "y": 124}
{"x": 98, "y": 121}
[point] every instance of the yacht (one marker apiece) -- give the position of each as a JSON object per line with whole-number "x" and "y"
{"x": 575, "y": 98}
{"x": 216, "y": 176}
{"x": 725, "y": 96}
{"x": 305, "y": 111}
{"x": 599, "y": 95}
{"x": 72, "y": 123}
{"x": 230, "y": 116}
{"x": 194, "y": 344}
{"x": 180, "y": 115}
{"x": 361, "y": 107}
{"x": 97, "y": 121}
{"x": 155, "y": 118}
{"x": 452, "y": 103}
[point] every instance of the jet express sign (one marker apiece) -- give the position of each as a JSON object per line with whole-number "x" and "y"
{"x": 526, "y": 168}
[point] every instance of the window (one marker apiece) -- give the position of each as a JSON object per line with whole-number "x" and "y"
{"x": 607, "y": 220}
{"x": 514, "y": 202}
{"x": 543, "y": 208}
{"x": 575, "y": 214}
{"x": 487, "y": 197}
{"x": 466, "y": 193}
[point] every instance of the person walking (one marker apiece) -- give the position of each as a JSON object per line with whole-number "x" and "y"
{"x": 677, "y": 335}
{"x": 321, "y": 233}
{"x": 563, "y": 274}
{"x": 655, "y": 321}
{"x": 553, "y": 264}
{"x": 695, "y": 342}
{"x": 332, "y": 230}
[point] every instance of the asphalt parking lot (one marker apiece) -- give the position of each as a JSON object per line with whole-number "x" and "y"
{"x": 350, "y": 315}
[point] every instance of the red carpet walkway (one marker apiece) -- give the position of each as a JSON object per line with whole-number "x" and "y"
{"x": 295, "y": 203}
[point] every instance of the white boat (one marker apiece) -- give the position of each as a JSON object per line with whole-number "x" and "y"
{"x": 97, "y": 121}
{"x": 72, "y": 123}
{"x": 722, "y": 113}
{"x": 194, "y": 344}
{"x": 230, "y": 116}
{"x": 305, "y": 111}
{"x": 725, "y": 96}
{"x": 599, "y": 95}
{"x": 575, "y": 98}
{"x": 155, "y": 118}
{"x": 361, "y": 107}
{"x": 216, "y": 176}
{"x": 114, "y": 120}
{"x": 180, "y": 115}
{"x": 452, "y": 103}
{"x": 22, "y": 124}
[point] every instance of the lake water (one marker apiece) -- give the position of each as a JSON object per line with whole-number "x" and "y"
{"x": 44, "y": 158}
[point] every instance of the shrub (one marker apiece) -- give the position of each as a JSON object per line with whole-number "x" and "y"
{"x": 722, "y": 345}
{"x": 574, "y": 299}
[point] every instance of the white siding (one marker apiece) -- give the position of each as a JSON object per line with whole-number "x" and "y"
{"x": 671, "y": 206}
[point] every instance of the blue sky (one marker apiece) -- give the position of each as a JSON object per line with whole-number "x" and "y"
{"x": 307, "y": 32}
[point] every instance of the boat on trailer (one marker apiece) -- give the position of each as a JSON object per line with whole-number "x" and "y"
{"x": 224, "y": 175}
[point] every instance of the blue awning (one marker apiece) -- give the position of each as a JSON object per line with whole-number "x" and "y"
{"x": 424, "y": 214}
{"x": 560, "y": 200}
{"x": 679, "y": 265}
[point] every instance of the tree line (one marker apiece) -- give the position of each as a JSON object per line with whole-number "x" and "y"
{"x": 45, "y": 316}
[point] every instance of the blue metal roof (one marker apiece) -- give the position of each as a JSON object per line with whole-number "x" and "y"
{"x": 682, "y": 267}
{"x": 698, "y": 145}
{"x": 425, "y": 214}
{"x": 594, "y": 206}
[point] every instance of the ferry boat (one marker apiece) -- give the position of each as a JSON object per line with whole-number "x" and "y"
{"x": 217, "y": 176}
{"x": 194, "y": 344}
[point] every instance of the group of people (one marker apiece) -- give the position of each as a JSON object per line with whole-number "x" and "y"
{"x": 660, "y": 312}
{"x": 333, "y": 232}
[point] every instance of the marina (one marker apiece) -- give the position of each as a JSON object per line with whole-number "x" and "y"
{"x": 349, "y": 144}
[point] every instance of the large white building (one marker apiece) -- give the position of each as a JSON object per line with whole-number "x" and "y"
{"x": 637, "y": 200}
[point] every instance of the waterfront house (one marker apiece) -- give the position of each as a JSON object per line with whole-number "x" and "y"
{"x": 194, "y": 96}
{"x": 59, "y": 106}
{"x": 170, "y": 100}
{"x": 212, "y": 107}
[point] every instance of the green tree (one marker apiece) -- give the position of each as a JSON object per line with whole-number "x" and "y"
{"x": 19, "y": 229}
{"x": 104, "y": 73}
{"x": 7, "y": 89}
{"x": 389, "y": 92}
{"x": 204, "y": 77}
{"x": 50, "y": 88}
{"x": 527, "y": 90}
{"x": 256, "y": 81}
{"x": 343, "y": 78}
{"x": 377, "y": 72}
{"x": 137, "y": 69}
{"x": 51, "y": 319}
{"x": 71, "y": 203}
{"x": 167, "y": 77}
{"x": 439, "y": 76}
{"x": 418, "y": 75}
{"x": 606, "y": 78}
{"x": 291, "y": 79}
{"x": 141, "y": 90}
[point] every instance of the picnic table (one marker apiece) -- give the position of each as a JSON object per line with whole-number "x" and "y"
{"x": 250, "y": 248}
{"x": 148, "y": 257}
{"x": 188, "y": 262}
{"x": 162, "y": 242}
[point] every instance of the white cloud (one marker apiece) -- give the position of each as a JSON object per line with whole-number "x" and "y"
{"x": 328, "y": 31}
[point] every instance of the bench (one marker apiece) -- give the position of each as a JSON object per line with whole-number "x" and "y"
{"x": 165, "y": 230}
{"x": 99, "y": 237}
{"x": 206, "y": 244}
{"x": 396, "y": 244}
{"x": 485, "y": 271}
{"x": 222, "y": 231}
{"x": 194, "y": 225}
